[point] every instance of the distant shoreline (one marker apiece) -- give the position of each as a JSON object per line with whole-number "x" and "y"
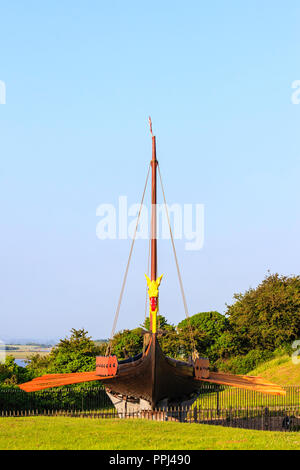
{"x": 23, "y": 351}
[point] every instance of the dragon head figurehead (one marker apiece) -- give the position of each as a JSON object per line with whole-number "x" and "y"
{"x": 153, "y": 300}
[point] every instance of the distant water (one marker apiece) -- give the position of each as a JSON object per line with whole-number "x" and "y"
{"x": 20, "y": 362}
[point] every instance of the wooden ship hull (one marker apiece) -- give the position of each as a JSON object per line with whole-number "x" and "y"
{"x": 157, "y": 378}
{"x": 153, "y": 377}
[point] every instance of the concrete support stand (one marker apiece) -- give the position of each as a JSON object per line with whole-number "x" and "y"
{"x": 126, "y": 407}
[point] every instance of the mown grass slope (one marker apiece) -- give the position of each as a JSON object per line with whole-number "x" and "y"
{"x": 279, "y": 370}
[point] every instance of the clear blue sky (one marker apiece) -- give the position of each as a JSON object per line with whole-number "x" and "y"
{"x": 82, "y": 78}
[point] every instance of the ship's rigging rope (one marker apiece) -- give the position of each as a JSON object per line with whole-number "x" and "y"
{"x": 127, "y": 267}
{"x": 177, "y": 267}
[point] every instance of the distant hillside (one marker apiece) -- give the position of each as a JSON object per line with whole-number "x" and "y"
{"x": 280, "y": 370}
{"x": 98, "y": 342}
{"x": 29, "y": 341}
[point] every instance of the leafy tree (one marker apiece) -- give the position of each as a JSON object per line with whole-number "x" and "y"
{"x": 127, "y": 343}
{"x": 74, "y": 354}
{"x": 267, "y": 317}
{"x": 170, "y": 342}
{"x": 39, "y": 365}
{"x": 12, "y": 374}
{"x": 225, "y": 345}
{"x": 206, "y": 328}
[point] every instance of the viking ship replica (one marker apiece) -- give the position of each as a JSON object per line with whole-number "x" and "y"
{"x": 151, "y": 379}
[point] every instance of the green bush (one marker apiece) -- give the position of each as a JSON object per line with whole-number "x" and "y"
{"x": 244, "y": 364}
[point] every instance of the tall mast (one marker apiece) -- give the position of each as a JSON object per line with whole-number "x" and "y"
{"x": 153, "y": 283}
{"x": 153, "y": 209}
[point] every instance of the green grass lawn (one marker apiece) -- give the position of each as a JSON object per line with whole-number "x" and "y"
{"x": 84, "y": 433}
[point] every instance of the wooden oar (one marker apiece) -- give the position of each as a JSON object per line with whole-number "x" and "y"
{"x": 58, "y": 380}
{"x": 245, "y": 381}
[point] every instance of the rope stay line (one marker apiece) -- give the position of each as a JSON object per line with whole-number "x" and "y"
{"x": 127, "y": 268}
{"x": 194, "y": 352}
